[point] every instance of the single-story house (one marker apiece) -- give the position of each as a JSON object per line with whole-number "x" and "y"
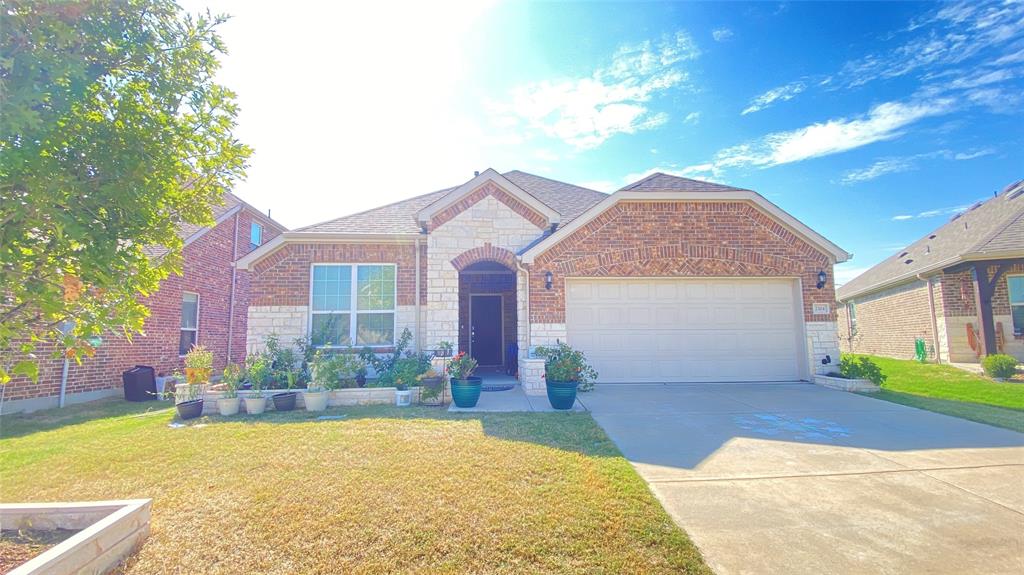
{"x": 206, "y": 304}
{"x": 960, "y": 288}
{"x": 666, "y": 280}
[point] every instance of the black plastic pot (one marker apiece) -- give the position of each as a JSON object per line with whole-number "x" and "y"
{"x": 284, "y": 401}
{"x": 190, "y": 409}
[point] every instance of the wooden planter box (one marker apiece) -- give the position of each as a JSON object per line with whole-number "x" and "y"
{"x": 843, "y": 384}
{"x": 109, "y": 531}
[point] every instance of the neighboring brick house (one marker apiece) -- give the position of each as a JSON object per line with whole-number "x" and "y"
{"x": 960, "y": 288}
{"x": 668, "y": 279}
{"x": 207, "y": 303}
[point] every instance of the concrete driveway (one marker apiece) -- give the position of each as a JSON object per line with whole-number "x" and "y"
{"x": 795, "y": 478}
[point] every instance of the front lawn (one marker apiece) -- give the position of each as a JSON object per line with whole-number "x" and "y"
{"x": 952, "y": 391}
{"x": 382, "y": 490}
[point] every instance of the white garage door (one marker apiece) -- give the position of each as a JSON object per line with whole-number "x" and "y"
{"x": 686, "y": 330}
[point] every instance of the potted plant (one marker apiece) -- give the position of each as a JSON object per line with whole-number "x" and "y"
{"x": 258, "y": 374}
{"x": 404, "y": 374}
{"x": 189, "y": 401}
{"x": 361, "y": 374}
{"x": 465, "y": 387}
{"x": 431, "y": 387}
{"x": 285, "y": 401}
{"x": 229, "y": 402}
{"x": 565, "y": 372}
{"x": 198, "y": 365}
{"x": 324, "y": 376}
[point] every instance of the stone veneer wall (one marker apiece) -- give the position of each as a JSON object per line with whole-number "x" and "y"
{"x": 488, "y": 221}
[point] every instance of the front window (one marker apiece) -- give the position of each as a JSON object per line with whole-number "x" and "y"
{"x": 353, "y": 305}
{"x": 1016, "y": 292}
{"x": 189, "y": 322}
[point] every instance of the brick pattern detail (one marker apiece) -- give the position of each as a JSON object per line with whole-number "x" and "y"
{"x": 282, "y": 279}
{"x": 485, "y": 253}
{"x": 679, "y": 239}
{"x": 207, "y": 270}
{"x": 488, "y": 189}
{"x": 490, "y": 283}
{"x": 888, "y": 322}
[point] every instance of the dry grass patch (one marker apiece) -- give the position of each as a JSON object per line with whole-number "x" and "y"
{"x": 383, "y": 490}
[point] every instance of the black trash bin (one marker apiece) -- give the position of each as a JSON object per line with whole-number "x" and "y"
{"x": 139, "y": 383}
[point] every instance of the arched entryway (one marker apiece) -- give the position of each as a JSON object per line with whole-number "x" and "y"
{"x": 488, "y": 322}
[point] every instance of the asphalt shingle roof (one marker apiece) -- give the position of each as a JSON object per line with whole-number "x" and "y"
{"x": 994, "y": 225}
{"x": 659, "y": 182}
{"x": 186, "y": 230}
{"x": 400, "y": 217}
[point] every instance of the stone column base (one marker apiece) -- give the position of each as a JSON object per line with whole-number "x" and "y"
{"x": 531, "y": 375}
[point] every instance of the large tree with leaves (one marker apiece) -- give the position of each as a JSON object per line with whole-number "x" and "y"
{"x": 113, "y": 133}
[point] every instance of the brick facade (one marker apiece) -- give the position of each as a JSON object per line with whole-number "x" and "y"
{"x": 679, "y": 239}
{"x": 207, "y": 270}
{"x": 888, "y": 321}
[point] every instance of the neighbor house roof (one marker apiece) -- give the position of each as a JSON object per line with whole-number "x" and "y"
{"x": 987, "y": 230}
{"x": 400, "y": 217}
{"x": 660, "y": 182}
{"x": 191, "y": 232}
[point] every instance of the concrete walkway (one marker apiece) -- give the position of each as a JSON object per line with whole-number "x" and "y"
{"x": 795, "y": 478}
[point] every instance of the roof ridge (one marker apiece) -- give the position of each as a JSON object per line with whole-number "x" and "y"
{"x": 395, "y": 203}
{"x": 553, "y": 180}
{"x": 255, "y": 209}
{"x": 642, "y": 180}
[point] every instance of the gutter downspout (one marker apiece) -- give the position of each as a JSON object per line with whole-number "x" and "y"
{"x": 234, "y": 276}
{"x": 419, "y": 339}
{"x": 977, "y": 310}
{"x": 935, "y": 323}
{"x": 529, "y": 323}
{"x": 63, "y": 383}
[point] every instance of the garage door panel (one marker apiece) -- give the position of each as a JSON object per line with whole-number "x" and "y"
{"x": 686, "y": 329}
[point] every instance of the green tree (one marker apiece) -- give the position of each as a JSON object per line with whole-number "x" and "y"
{"x": 112, "y": 134}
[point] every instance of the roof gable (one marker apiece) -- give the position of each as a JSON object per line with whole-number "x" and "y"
{"x": 486, "y": 180}
{"x": 661, "y": 182}
{"x": 992, "y": 228}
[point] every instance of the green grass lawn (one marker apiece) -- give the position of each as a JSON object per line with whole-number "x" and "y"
{"x": 382, "y": 490}
{"x": 953, "y": 391}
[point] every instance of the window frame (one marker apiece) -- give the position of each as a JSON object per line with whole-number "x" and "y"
{"x": 353, "y": 310}
{"x": 195, "y": 329}
{"x": 255, "y": 224}
{"x": 851, "y": 316}
{"x": 1009, "y": 300}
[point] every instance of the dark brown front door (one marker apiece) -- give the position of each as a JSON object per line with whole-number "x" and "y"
{"x": 485, "y": 329}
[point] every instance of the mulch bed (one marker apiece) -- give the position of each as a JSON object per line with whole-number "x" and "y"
{"x": 19, "y": 545}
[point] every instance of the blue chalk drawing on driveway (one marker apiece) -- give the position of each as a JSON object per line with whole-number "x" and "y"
{"x": 808, "y": 428}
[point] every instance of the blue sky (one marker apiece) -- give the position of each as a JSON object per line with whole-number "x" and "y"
{"x": 870, "y": 122}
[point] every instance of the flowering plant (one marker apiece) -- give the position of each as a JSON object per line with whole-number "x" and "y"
{"x": 563, "y": 363}
{"x": 462, "y": 366}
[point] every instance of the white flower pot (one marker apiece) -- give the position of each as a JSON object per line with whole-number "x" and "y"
{"x": 315, "y": 400}
{"x": 255, "y": 405}
{"x": 403, "y": 398}
{"x": 228, "y": 405}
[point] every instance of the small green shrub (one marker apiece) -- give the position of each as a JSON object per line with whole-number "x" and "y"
{"x": 999, "y": 365}
{"x": 462, "y": 366}
{"x": 860, "y": 367}
{"x": 231, "y": 378}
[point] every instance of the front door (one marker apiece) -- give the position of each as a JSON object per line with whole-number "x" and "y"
{"x": 485, "y": 329}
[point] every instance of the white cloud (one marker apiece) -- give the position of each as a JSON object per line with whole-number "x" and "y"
{"x": 882, "y": 122}
{"x": 692, "y": 118}
{"x": 699, "y": 172}
{"x": 931, "y": 213}
{"x": 902, "y": 217}
{"x": 894, "y": 165}
{"x": 722, "y": 34}
{"x": 585, "y": 112}
{"x": 780, "y": 94}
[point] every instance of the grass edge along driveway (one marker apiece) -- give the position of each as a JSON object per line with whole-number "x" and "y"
{"x": 381, "y": 490}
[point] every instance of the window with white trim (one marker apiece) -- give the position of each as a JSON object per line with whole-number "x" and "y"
{"x": 256, "y": 234}
{"x": 1015, "y": 285}
{"x": 189, "y": 322}
{"x": 353, "y": 305}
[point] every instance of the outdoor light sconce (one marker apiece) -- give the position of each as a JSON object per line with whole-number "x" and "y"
{"x": 822, "y": 276}
{"x": 549, "y": 279}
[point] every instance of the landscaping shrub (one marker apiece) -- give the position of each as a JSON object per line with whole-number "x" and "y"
{"x": 563, "y": 363}
{"x": 999, "y": 365}
{"x": 860, "y": 367}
